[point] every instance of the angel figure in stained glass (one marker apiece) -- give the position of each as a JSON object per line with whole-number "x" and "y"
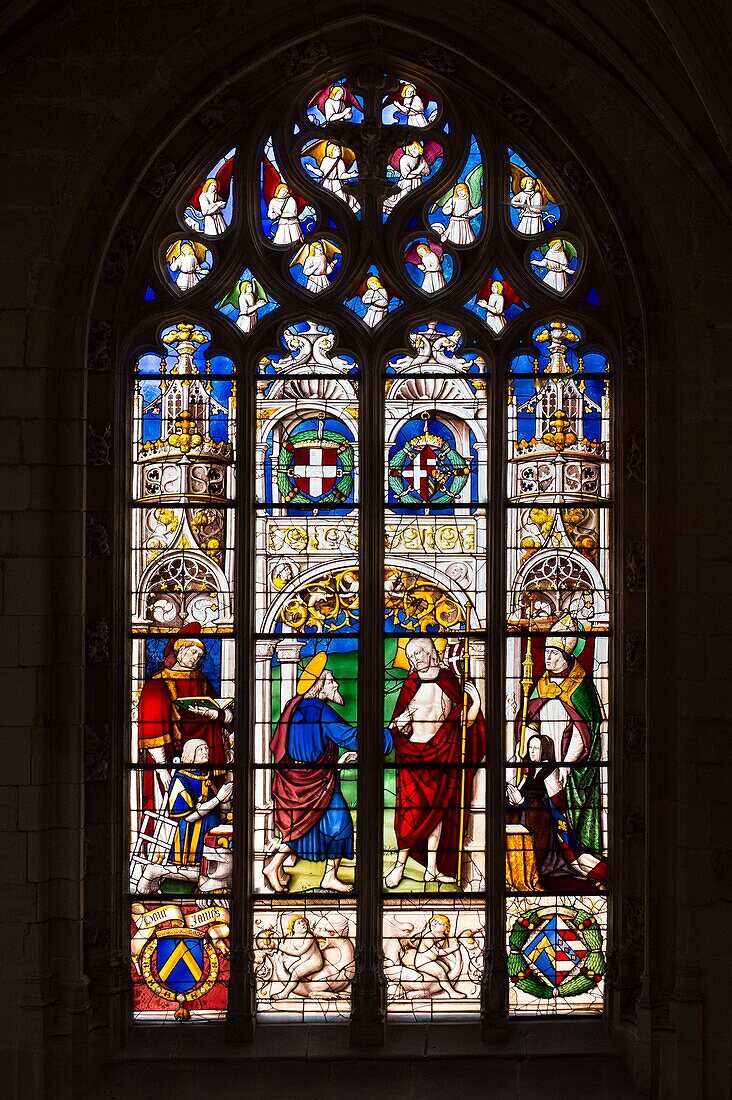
{"x": 335, "y": 103}
{"x": 211, "y": 204}
{"x": 411, "y": 104}
{"x": 557, "y": 261}
{"x": 376, "y": 297}
{"x": 427, "y": 258}
{"x": 318, "y": 262}
{"x": 185, "y": 259}
{"x": 335, "y": 164}
{"x": 494, "y": 305}
{"x": 531, "y": 197}
{"x": 283, "y": 211}
{"x": 204, "y": 212}
{"x": 460, "y": 205}
{"x": 412, "y": 164}
{"x": 248, "y": 296}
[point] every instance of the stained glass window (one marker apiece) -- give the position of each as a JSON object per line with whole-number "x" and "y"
{"x": 370, "y": 544}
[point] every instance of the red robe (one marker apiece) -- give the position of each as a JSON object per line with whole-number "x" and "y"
{"x": 161, "y": 723}
{"x": 428, "y": 792}
{"x": 301, "y": 792}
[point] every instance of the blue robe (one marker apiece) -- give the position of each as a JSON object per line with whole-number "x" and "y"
{"x": 313, "y": 726}
{"x": 187, "y": 788}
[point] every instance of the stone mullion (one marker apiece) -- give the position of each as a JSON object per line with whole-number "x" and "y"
{"x": 368, "y": 1005}
{"x": 240, "y": 1019}
{"x": 494, "y": 997}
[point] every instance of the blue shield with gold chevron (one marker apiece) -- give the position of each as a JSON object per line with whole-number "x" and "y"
{"x": 180, "y": 959}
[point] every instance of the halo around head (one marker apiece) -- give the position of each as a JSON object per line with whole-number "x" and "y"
{"x": 312, "y": 672}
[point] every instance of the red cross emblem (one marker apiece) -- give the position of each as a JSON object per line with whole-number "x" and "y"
{"x": 418, "y": 473}
{"x": 315, "y": 469}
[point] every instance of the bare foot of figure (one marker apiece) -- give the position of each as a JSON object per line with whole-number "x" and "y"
{"x": 329, "y": 881}
{"x": 272, "y": 879}
{"x": 435, "y": 876}
{"x": 283, "y": 878}
{"x": 395, "y": 876}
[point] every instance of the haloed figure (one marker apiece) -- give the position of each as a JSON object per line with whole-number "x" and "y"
{"x": 311, "y": 815}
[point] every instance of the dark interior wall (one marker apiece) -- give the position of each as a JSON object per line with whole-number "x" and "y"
{"x": 91, "y": 92}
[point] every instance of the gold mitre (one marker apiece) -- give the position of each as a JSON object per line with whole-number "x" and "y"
{"x": 566, "y": 636}
{"x": 312, "y": 672}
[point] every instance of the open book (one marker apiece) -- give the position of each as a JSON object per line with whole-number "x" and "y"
{"x": 188, "y": 702}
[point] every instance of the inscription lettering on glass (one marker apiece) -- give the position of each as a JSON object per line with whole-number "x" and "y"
{"x": 378, "y": 276}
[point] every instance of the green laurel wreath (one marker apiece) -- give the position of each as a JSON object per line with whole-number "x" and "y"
{"x": 342, "y": 488}
{"x": 456, "y": 467}
{"x": 590, "y": 973}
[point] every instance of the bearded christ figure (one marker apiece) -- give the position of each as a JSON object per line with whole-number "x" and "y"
{"x": 427, "y": 726}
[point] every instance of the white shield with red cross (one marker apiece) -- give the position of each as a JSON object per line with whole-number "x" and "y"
{"x": 315, "y": 468}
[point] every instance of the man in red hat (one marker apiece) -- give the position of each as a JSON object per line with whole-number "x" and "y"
{"x": 163, "y": 727}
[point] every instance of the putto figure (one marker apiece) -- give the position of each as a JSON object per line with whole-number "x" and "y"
{"x": 429, "y": 728}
